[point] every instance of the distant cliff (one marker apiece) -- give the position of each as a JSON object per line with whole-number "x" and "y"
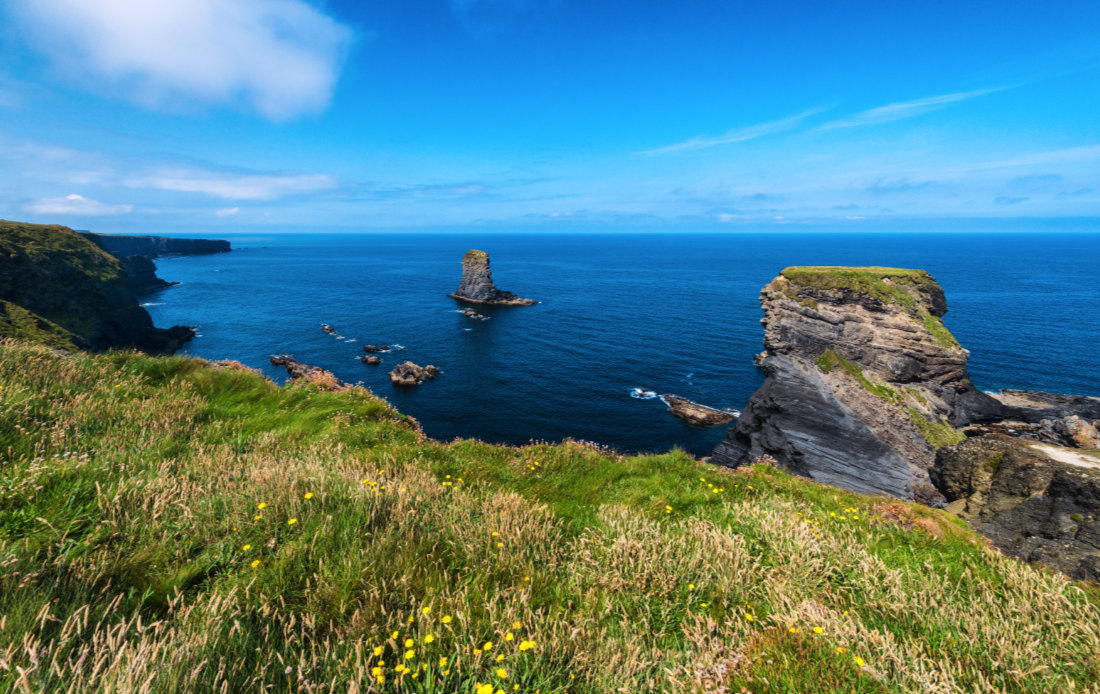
{"x": 155, "y": 246}
{"x": 60, "y": 288}
{"x": 477, "y": 283}
{"x": 863, "y": 383}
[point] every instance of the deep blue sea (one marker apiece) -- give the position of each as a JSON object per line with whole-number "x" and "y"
{"x": 671, "y": 313}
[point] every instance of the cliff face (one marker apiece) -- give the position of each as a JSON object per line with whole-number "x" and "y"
{"x": 1035, "y": 501}
{"x": 477, "y": 283}
{"x": 58, "y": 287}
{"x": 155, "y": 246}
{"x": 863, "y": 383}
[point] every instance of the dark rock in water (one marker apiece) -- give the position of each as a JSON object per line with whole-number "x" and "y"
{"x": 1034, "y": 406}
{"x": 863, "y": 381}
{"x": 477, "y": 283}
{"x": 1035, "y": 501}
{"x": 155, "y": 246}
{"x": 470, "y": 313}
{"x": 314, "y": 374}
{"x": 695, "y": 414}
{"x": 409, "y": 374}
{"x": 328, "y": 328}
{"x": 370, "y": 349}
{"x": 371, "y": 359}
{"x": 384, "y": 348}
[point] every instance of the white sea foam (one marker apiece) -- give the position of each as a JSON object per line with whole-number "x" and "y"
{"x": 642, "y": 394}
{"x": 153, "y": 303}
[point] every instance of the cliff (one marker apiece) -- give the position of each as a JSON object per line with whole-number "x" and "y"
{"x": 863, "y": 381}
{"x": 155, "y": 246}
{"x": 58, "y": 287}
{"x": 477, "y": 283}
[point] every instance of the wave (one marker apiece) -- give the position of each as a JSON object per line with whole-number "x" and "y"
{"x": 642, "y": 394}
{"x": 153, "y": 303}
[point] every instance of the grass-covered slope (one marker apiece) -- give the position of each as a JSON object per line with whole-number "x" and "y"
{"x": 59, "y": 288}
{"x": 166, "y": 526}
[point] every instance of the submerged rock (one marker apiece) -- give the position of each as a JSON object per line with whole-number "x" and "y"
{"x": 863, "y": 381}
{"x": 695, "y": 414}
{"x": 477, "y": 283}
{"x": 409, "y": 374}
{"x": 328, "y": 328}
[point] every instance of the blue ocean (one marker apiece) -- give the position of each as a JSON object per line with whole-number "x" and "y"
{"x": 668, "y": 313}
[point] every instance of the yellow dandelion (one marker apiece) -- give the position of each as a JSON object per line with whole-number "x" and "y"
{"x": 839, "y": 649}
{"x": 859, "y": 661}
{"x": 495, "y": 533}
{"x": 691, "y": 586}
{"x": 411, "y": 618}
{"x": 500, "y": 657}
{"x": 703, "y": 604}
{"x": 428, "y": 639}
{"x": 819, "y": 630}
{"x": 502, "y": 673}
{"x": 488, "y": 646}
{"x": 750, "y": 618}
{"x": 292, "y": 521}
{"x": 376, "y": 671}
{"x": 410, "y": 654}
{"x": 257, "y": 517}
{"x": 377, "y": 651}
{"x": 446, "y": 672}
{"x": 509, "y": 636}
{"x": 794, "y": 630}
{"x": 526, "y": 645}
{"x": 255, "y": 563}
{"x": 309, "y": 495}
{"x": 499, "y": 545}
{"x": 261, "y": 506}
{"x": 246, "y": 548}
{"x": 477, "y": 651}
{"x": 442, "y": 662}
{"x": 516, "y": 625}
{"x": 426, "y": 609}
{"x": 409, "y": 643}
{"x": 447, "y": 619}
{"x": 394, "y": 635}
{"x": 483, "y": 688}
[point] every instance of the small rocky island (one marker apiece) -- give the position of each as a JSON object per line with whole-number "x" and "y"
{"x": 477, "y": 284}
{"x": 695, "y": 414}
{"x": 408, "y": 374}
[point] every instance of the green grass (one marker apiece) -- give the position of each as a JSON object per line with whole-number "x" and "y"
{"x": 831, "y": 360}
{"x": 18, "y": 322}
{"x": 130, "y": 488}
{"x": 939, "y": 331}
{"x": 892, "y": 286}
{"x": 939, "y": 434}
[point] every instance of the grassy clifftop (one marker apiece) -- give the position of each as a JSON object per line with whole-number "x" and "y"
{"x": 169, "y": 526}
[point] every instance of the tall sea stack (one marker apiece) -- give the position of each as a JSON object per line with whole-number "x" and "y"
{"x": 863, "y": 383}
{"x": 477, "y": 283}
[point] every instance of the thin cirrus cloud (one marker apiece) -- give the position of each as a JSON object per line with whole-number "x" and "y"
{"x": 279, "y": 57}
{"x": 907, "y": 109}
{"x": 233, "y": 186}
{"x": 737, "y": 135}
{"x": 74, "y": 204}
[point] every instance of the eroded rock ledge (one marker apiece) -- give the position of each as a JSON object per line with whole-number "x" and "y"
{"x": 477, "y": 283}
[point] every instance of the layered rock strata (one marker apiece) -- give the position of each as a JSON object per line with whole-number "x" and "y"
{"x": 155, "y": 246}
{"x": 863, "y": 381}
{"x": 477, "y": 283}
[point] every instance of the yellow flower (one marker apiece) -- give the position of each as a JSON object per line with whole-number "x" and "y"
{"x": 691, "y": 586}
{"x": 526, "y": 578}
{"x": 261, "y": 506}
{"x": 446, "y": 672}
{"x": 411, "y": 618}
{"x": 246, "y": 548}
{"x": 442, "y": 662}
{"x": 409, "y": 643}
{"x": 426, "y": 610}
{"x": 255, "y": 563}
{"x": 793, "y": 630}
{"x": 377, "y": 650}
{"x": 495, "y": 533}
{"x": 394, "y": 635}
{"x": 819, "y": 630}
{"x": 526, "y": 645}
{"x": 702, "y": 604}
{"x": 509, "y": 636}
{"x": 484, "y": 688}
{"x": 839, "y": 649}
{"x": 749, "y": 617}
{"x": 428, "y": 639}
{"x": 309, "y": 495}
{"x": 500, "y": 657}
{"x": 257, "y": 517}
{"x": 488, "y": 646}
{"x": 410, "y": 654}
{"x": 516, "y": 625}
{"x": 502, "y": 673}
{"x": 859, "y": 661}
{"x": 447, "y": 619}
{"x": 292, "y": 521}
{"x": 376, "y": 671}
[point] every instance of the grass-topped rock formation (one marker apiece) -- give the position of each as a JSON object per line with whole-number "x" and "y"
{"x": 172, "y": 525}
{"x": 863, "y": 383}
{"x": 477, "y": 283}
{"x": 60, "y": 288}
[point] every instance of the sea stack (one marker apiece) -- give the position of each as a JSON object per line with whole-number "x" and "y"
{"x": 863, "y": 381}
{"x": 477, "y": 283}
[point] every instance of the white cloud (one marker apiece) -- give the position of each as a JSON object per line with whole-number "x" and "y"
{"x": 233, "y": 186}
{"x": 228, "y": 212}
{"x": 282, "y": 57}
{"x": 907, "y": 109}
{"x": 76, "y": 205}
{"x": 738, "y": 135}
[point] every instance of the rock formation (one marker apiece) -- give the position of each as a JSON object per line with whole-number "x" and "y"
{"x": 370, "y": 360}
{"x": 328, "y": 328}
{"x": 314, "y": 374}
{"x": 58, "y": 287}
{"x": 695, "y": 414}
{"x": 155, "y": 246}
{"x": 1034, "y": 501}
{"x": 477, "y": 283}
{"x": 863, "y": 381}
{"x": 370, "y": 349}
{"x": 409, "y": 374}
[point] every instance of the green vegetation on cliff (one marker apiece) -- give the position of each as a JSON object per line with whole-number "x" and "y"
{"x": 890, "y": 285}
{"x": 169, "y": 526}
{"x": 831, "y": 360}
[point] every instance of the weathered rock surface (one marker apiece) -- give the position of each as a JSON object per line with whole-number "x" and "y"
{"x": 155, "y": 246}
{"x": 328, "y": 328}
{"x": 695, "y": 414}
{"x": 371, "y": 360}
{"x": 477, "y": 283}
{"x": 863, "y": 381}
{"x": 1035, "y": 502}
{"x": 370, "y": 349}
{"x": 314, "y": 374}
{"x": 409, "y": 374}
{"x": 1034, "y": 406}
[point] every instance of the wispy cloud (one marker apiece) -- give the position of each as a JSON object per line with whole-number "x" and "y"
{"x": 232, "y": 186}
{"x": 737, "y": 135}
{"x": 76, "y": 205}
{"x": 907, "y": 109}
{"x": 228, "y": 212}
{"x": 281, "y": 57}
{"x": 1006, "y": 200}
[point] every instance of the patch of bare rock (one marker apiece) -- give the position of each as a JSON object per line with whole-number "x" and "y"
{"x": 407, "y": 374}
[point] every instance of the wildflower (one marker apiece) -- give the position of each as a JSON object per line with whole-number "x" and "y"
{"x": 428, "y": 639}
{"x": 255, "y": 563}
{"x": 488, "y": 646}
{"x": 376, "y": 671}
{"x": 447, "y": 619}
{"x": 411, "y": 618}
{"x": 477, "y": 651}
{"x": 749, "y": 617}
{"x": 377, "y": 650}
{"x": 526, "y": 645}
{"x": 442, "y": 662}
{"x": 793, "y": 630}
{"x": 446, "y": 672}
{"x": 410, "y": 654}
{"x": 526, "y": 578}
{"x": 394, "y": 635}
{"x": 839, "y": 649}
{"x": 484, "y": 688}
{"x": 668, "y": 509}
{"x": 500, "y": 657}
{"x": 702, "y": 604}
{"x": 118, "y": 385}
{"x": 819, "y": 630}
{"x": 859, "y": 661}
{"x": 426, "y": 610}
{"x": 502, "y": 673}
{"x": 509, "y": 636}
{"x": 409, "y": 643}
{"x": 246, "y": 548}
{"x": 516, "y": 625}
{"x": 495, "y": 533}
{"x": 499, "y": 545}
{"x": 261, "y": 506}
{"x": 292, "y": 521}
{"x": 691, "y": 586}
{"x": 257, "y": 517}
{"x": 309, "y": 495}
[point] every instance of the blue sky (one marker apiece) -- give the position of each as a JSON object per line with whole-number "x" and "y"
{"x": 206, "y": 115}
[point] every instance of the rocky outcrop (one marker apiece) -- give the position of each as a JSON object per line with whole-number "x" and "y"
{"x": 477, "y": 283}
{"x": 370, "y": 360}
{"x": 695, "y": 414}
{"x": 155, "y": 246}
{"x": 863, "y": 382}
{"x": 1034, "y": 501}
{"x": 409, "y": 374}
{"x": 58, "y": 287}
{"x": 325, "y": 327}
{"x": 326, "y": 380}
{"x": 1034, "y": 406}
